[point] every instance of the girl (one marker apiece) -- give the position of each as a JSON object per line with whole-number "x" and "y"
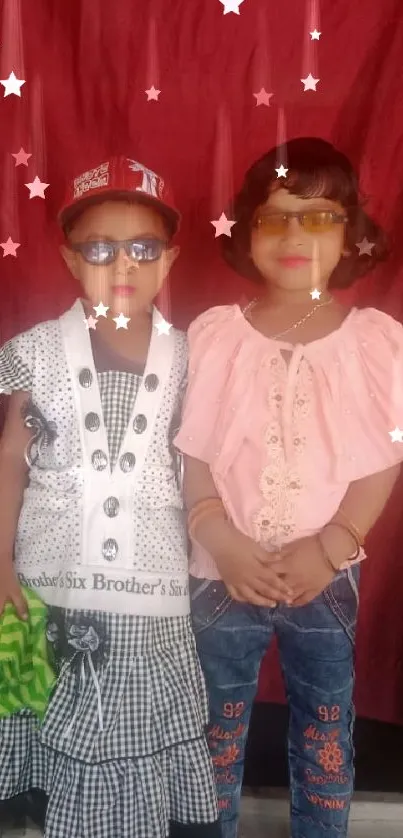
{"x": 291, "y": 438}
{"x": 96, "y": 524}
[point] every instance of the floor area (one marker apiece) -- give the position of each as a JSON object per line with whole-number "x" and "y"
{"x": 372, "y": 816}
{"x": 265, "y": 815}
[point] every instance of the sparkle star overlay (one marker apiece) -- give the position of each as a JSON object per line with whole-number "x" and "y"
{"x": 36, "y": 188}
{"x": 10, "y": 247}
{"x": 90, "y": 322}
{"x": 163, "y": 327}
{"x": 121, "y": 321}
{"x": 231, "y": 6}
{"x": 21, "y": 158}
{"x": 315, "y": 294}
{"x": 315, "y": 35}
{"x": 281, "y": 171}
{"x": 12, "y": 85}
{"x": 263, "y": 98}
{"x": 396, "y": 435}
{"x": 222, "y": 226}
{"x": 310, "y": 83}
{"x": 152, "y": 94}
{"x": 101, "y": 310}
{"x": 365, "y": 247}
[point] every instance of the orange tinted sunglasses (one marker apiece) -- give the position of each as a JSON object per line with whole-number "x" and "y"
{"x": 311, "y": 221}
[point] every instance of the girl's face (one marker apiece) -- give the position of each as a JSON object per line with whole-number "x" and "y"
{"x": 126, "y": 281}
{"x": 298, "y": 253}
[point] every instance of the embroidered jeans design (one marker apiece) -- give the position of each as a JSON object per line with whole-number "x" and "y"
{"x": 316, "y": 650}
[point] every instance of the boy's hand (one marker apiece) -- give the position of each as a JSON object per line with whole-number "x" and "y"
{"x": 302, "y": 565}
{"x": 249, "y": 574}
{"x": 10, "y": 590}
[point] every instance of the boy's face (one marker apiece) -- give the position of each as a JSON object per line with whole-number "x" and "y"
{"x": 127, "y": 285}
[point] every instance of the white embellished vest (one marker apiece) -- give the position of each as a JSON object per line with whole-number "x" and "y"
{"x": 92, "y": 537}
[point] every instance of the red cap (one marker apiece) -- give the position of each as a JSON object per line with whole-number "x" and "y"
{"x": 122, "y": 178}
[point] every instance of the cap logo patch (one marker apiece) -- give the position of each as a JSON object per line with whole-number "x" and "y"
{"x": 151, "y": 183}
{"x": 93, "y": 179}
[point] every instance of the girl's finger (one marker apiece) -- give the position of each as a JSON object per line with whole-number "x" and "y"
{"x": 281, "y": 587}
{"x": 257, "y": 599}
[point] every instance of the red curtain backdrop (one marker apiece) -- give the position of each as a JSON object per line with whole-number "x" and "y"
{"x": 86, "y": 67}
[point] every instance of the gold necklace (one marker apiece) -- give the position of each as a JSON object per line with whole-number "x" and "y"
{"x": 253, "y": 303}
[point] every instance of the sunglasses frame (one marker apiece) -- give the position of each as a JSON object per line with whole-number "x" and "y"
{"x": 79, "y": 247}
{"x": 337, "y": 218}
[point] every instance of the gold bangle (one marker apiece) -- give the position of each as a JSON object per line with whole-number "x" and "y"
{"x": 206, "y": 503}
{"x": 325, "y": 554}
{"x": 201, "y": 510}
{"x": 354, "y": 530}
{"x": 353, "y": 536}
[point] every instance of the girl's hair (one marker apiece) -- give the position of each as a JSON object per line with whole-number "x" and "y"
{"x": 315, "y": 169}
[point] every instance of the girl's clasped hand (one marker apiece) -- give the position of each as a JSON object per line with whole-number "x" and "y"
{"x": 294, "y": 576}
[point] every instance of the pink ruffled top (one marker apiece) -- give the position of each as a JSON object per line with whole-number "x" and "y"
{"x": 285, "y": 429}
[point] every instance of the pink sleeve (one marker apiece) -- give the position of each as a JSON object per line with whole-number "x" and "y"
{"x": 369, "y": 391}
{"x": 208, "y": 362}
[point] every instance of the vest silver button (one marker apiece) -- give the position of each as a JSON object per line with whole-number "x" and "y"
{"x": 127, "y": 462}
{"x": 151, "y": 382}
{"x": 85, "y": 378}
{"x": 110, "y": 549}
{"x": 139, "y": 423}
{"x": 92, "y": 421}
{"x": 99, "y": 460}
{"x": 111, "y": 507}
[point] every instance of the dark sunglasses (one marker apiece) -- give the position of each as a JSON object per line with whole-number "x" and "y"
{"x": 105, "y": 252}
{"x": 312, "y": 221}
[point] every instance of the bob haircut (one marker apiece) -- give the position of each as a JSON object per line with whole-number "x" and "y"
{"x": 315, "y": 169}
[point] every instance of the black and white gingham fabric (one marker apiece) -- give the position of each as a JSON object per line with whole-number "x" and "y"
{"x": 14, "y": 373}
{"x": 122, "y": 750}
{"x": 118, "y": 391}
{"x": 149, "y": 690}
{"x": 150, "y": 764}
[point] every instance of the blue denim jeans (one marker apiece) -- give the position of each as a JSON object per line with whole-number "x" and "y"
{"x": 316, "y": 644}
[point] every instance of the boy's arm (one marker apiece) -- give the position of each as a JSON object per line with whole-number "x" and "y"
{"x": 13, "y": 480}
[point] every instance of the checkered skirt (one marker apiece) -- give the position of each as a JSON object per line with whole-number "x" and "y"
{"x": 121, "y": 751}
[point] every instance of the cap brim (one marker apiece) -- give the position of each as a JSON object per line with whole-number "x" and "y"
{"x": 69, "y": 214}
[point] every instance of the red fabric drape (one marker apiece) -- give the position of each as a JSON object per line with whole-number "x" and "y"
{"x": 87, "y": 65}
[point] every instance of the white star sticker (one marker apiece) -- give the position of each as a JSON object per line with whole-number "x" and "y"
{"x": 121, "y": 321}
{"x": 315, "y": 294}
{"x": 281, "y": 171}
{"x": 101, "y": 310}
{"x": 222, "y": 226}
{"x": 231, "y": 6}
{"x": 90, "y": 322}
{"x": 163, "y": 327}
{"x": 365, "y": 247}
{"x": 12, "y": 85}
{"x": 310, "y": 83}
{"x": 396, "y": 435}
{"x": 315, "y": 35}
